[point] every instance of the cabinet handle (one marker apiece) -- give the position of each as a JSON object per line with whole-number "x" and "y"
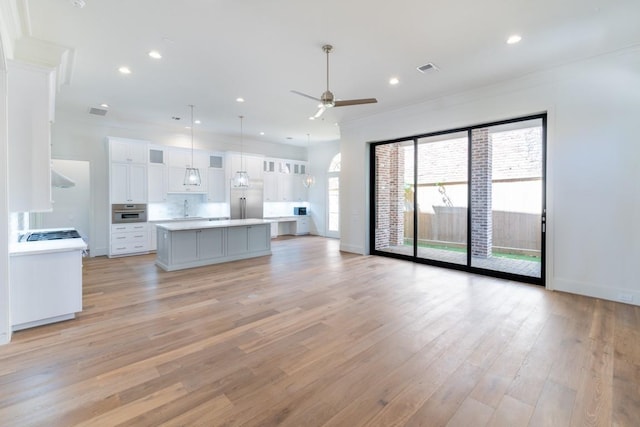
{"x": 121, "y": 238}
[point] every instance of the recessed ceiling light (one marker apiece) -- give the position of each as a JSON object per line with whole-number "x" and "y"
{"x": 239, "y": 99}
{"x": 311, "y": 118}
{"x": 104, "y": 105}
{"x": 394, "y": 81}
{"x": 197, "y": 122}
{"x": 187, "y": 127}
{"x": 261, "y": 133}
{"x": 155, "y": 54}
{"x": 124, "y": 70}
{"x": 514, "y": 39}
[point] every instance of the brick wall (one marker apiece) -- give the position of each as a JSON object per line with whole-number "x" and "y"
{"x": 390, "y": 195}
{"x": 481, "y": 175}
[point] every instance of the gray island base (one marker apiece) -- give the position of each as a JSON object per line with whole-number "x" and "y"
{"x": 189, "y": 244}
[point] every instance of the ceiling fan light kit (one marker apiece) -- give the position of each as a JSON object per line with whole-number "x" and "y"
{"x": 327, "y": 100}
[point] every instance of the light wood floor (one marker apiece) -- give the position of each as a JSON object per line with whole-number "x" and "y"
{"x": 310, "y": 336}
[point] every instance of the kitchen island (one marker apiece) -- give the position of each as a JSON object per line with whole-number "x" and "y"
{"x": 188, "y": 244}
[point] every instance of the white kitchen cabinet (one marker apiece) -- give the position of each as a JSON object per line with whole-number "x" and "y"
{"x": 128, "y": 183}
{"x": 270, "y": 187}
{"x": 157, "y": 183}
{"x": 269, "y": 165}
{"x": 285, "y": 187}
{"x": 129, "y": 239}
{"x": 298, "y": 190}
{"x": 127, "y": 151}
{"x": 128, "y": 170}
{"x": 181, "y": 158}
{"x": 157, "y": 155}
{"x": 30, "y": 101}
{"x": 252, "y": 164}
{"x": 302, "y": 226}
{"x": 45, "y": 287}
{"x": 216, "y": 186}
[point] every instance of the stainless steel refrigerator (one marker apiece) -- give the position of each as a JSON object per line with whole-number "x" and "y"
{"x": 247, "y": 202}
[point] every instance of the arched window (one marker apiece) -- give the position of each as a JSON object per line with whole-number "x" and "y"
{"x": 335, "y": 164}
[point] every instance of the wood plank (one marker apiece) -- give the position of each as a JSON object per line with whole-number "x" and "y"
{"x": 314, "y": 336}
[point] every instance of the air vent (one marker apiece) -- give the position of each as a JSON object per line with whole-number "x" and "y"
{"x": 427, "y": 67}
{"x": 98, "y": 111}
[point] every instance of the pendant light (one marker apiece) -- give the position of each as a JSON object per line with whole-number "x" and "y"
{"x": 308, "y": 179}
{"x": 192, "y": 174}
{"x": 241, "y": 177}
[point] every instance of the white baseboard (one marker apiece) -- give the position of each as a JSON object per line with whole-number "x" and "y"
{"x": 624, "y": 295}
{"x": 353, "y": 249}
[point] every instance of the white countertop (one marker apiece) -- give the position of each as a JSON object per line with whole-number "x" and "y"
{"x": 200, "y": 224}
{"x": 285, "y": 218}
{"x": 46, "y": 246}
{"x": 188, "y": 218}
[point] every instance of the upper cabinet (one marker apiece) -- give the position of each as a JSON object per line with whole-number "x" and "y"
{"x": 30, "y": 104}
{"x": 128, "y": 171}
{"x": 127, "y": 151}
{"x": 283, "y": 180}
{"x": 157, "y": 174}
{"x": 179, "y": 160}
{"x": 251, "y": 164}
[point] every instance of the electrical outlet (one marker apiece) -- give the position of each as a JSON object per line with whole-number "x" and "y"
{"x": 624, "y": 297}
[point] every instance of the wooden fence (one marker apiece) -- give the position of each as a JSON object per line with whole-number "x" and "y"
{"x": 514, "y": 231}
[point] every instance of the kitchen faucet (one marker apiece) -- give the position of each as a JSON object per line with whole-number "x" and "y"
{"x": 186, "y": 208}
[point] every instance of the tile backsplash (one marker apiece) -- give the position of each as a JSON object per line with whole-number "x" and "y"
{"x": 196, "y": 205}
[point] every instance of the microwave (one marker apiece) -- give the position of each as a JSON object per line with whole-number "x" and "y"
{"x": 300, "y": 211}
{"x": 128, "y": 213}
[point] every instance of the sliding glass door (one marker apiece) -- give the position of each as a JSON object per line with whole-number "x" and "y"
{"x": 441, "y": 195}
{"x": 470, "y": 198}
{"x": 507, "y": 197}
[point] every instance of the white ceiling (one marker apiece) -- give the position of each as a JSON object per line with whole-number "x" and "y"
{"x": 217, "y": 50}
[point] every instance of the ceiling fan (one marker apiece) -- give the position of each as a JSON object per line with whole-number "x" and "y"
{"x": 327, "y": 99}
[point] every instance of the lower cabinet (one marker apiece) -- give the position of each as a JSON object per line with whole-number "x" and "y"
{"x": 180, "y": 249}
{"x": 302, "y": 226}
{"x": 251, "y": 238}
{"x": 45, "y": 288}
{"x": 128, "y": 239}
{"x": 195, "y": 245}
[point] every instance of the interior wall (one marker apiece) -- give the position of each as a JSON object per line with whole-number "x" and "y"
{"x": 86, "y": 140}
{"x": 5, "y": 309}
{"x": 322, "y": 153}
{"x": 593, "y": 165}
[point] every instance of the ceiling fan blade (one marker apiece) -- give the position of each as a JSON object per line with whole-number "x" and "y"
{"x": 305, "y": 95}
{"x": 321, "y": 110}
{"x": 347, "y": 102}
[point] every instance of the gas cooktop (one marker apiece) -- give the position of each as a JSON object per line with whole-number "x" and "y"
{"x": 37, "y": 236}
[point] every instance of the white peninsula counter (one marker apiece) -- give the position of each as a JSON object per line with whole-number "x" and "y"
{"x": 187, "y": 244}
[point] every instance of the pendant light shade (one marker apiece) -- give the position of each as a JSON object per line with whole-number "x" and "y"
{"x": 308, "y": 180}
{"x": 192, "y": 174}
{"x": 241, "y": 177}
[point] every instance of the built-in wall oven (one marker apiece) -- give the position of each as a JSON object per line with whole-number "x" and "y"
{"x": 123, "y": 213}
